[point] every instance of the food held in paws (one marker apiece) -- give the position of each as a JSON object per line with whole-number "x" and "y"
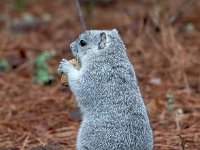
{"x": 64, "y": 80}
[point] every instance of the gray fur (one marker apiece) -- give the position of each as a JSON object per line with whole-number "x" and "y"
{"x": 105, "y": 87}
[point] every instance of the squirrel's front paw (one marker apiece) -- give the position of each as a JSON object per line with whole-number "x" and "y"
{"x": 64, "y": 66}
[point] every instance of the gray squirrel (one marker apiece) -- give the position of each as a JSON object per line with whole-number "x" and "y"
{"x": 106, "y": 89}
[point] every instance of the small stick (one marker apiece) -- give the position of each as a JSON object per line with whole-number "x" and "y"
{"x": 80, "y": 15}
{"x": 182, "y": 10}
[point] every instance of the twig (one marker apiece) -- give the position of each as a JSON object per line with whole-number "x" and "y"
{"x": 80, "y": 15}
{"x": 24, "y": 144}
{"x": 183, "y": 142}
{"x": 182, "y": 10}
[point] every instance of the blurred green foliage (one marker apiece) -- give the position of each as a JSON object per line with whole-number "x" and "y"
{"x": 4, "y": 64}
{"x": 20, "y": 3}
{"x": 89, "y": 11}
{"x": 28, "y": 17}
{"x": 170, "y": 102}
{"x": 42, "y": 72}
{"x": 190, "y": 27}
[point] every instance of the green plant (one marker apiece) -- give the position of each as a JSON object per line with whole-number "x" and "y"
{"x": 170, "y": 102}
{"x": 20, "y": 3}
{"x": 42, "y": 74}
{"x": 89, "y": 11}
{"x": 4, "y": 64}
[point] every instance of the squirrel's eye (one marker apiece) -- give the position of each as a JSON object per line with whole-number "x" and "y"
{"x": 83, "y": 43}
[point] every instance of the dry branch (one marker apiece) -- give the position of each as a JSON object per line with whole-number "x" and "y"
{"x": 80, "y": 15}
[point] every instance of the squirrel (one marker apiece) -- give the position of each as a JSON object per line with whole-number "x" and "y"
{"x": 114, "y": 116}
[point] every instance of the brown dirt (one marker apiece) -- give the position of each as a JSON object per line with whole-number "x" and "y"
{"x": 165, "y": 55}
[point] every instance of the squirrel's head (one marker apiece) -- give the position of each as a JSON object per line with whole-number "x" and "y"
{"x": 92, "y": 42}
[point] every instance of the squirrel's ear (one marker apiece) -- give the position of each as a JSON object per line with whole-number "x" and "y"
{"x": 115, "y": 31}
{"x": 102, "y": 42}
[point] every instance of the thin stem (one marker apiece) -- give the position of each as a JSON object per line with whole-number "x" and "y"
{"x": 80, "y": 15}
{"x": 185, "y": 7}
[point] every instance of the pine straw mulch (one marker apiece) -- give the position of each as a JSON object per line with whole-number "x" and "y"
{"x": 165, "y": 53}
